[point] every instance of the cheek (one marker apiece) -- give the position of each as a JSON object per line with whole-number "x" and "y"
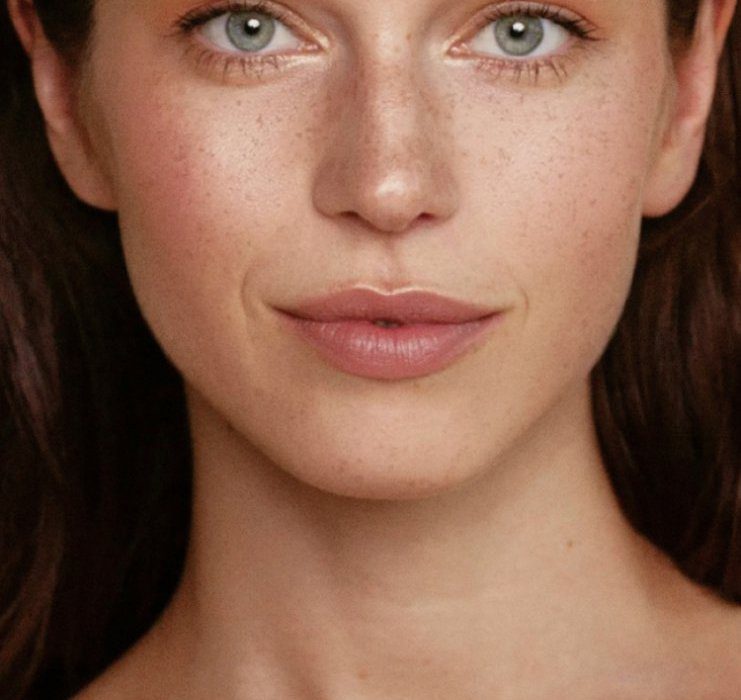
{"x": 553, "y": 184}
{"x": 556, "y": 181}
{"x": 575, "y": 240}
{"x": 210, "y": 194}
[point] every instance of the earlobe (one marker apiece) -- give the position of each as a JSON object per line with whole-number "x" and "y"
{"x": 695, "y": 72}
{"x": 55, "y": 92}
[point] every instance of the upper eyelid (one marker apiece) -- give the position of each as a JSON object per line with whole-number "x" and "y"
{"x": 508, "y": 8}
{"x": 197, "y": 17}
{"x": 200, "y": 15}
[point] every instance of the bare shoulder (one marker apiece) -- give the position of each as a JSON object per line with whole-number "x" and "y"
{"x": 127, "y": 678}
{"x": 687, "y": 646}
{"x": 114, "y": 684}
{"x": 146, "y": 672}
{"x": 682, "y": 641}
{"x": 722, "y": 650}
{"x": 706, "y": 641}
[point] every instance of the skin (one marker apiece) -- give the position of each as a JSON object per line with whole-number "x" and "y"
{"x": 452, "y": 536}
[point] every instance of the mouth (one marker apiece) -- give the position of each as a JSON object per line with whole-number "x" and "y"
{"x": 389, "y": 310}
{"x": 390, "y": 337}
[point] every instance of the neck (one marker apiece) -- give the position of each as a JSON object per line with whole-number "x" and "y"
{"x": 332, "y": 597}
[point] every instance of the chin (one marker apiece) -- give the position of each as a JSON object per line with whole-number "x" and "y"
{"x": 380, "y": 485}
{"x": 402, "y": 471}
{"x": 386, "y": 486}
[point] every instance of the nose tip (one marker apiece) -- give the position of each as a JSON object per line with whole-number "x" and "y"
{"x": 386, "y": 161}
{"x": 390, "y": 203}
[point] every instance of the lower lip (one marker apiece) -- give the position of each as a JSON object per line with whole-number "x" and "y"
{"x": 365, "y": 350}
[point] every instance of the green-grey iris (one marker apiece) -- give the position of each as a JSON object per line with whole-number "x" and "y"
{"x": 519, "y": 35}
{"x": 250, "y": 31}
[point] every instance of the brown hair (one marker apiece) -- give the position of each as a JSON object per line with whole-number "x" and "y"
{"x": 94, "y": 446}
{"x": 667, "y": 392}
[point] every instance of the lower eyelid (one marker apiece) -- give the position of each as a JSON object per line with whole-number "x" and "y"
{"x": 533, "y": 71}
{"x": 238, "y": 67}
{"x": 550, "y": 70}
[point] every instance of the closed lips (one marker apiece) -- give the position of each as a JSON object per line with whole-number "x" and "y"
{"x": 390, "y": 337}
{"x": 389, "y": 310}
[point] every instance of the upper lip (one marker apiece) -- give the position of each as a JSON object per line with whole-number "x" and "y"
{"x": 404, "y": 307}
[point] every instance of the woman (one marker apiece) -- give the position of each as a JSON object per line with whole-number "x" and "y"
{"x": 452, "y": 291}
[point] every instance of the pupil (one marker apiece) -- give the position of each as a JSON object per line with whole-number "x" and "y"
{"x": 518, "y": 30}
{"x": 253, "y": 26}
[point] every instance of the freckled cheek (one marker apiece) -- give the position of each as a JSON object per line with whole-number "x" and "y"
{"x": 600, "y": 221}
{"x": 205, "y": 196}
{"x": 579, "y": 253}
{"x": 561, "y": 200}
{"x": 588, "y": 244}
{"x": 566, "y": 193}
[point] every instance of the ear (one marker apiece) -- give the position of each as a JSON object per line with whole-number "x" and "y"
{"x": 55, "y": 89}
{"x": 695, "y": 73}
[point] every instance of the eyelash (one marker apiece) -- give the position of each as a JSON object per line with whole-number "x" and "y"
{"x": 258, "y": 63}
{"x": 576, "y": 26}
{"x": 249, "y": 64}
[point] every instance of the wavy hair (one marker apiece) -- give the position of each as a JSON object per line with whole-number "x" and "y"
{"x": 95, "y": 463}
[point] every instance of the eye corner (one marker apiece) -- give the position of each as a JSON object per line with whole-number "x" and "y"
{"x": 458, "y": 49}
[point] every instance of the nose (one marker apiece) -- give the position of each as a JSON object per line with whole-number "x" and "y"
{"x": 386, "y": 161}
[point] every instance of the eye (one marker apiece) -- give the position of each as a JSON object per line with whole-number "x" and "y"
{"x": 520, "y": 36}
{"x": 251, "y": 31}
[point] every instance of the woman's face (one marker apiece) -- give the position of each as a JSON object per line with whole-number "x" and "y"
{"x": 406, "y": 145}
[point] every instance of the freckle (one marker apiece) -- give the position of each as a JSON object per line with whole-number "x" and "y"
{"x": 504, "y": 155}
{"x": 570, "y": 544}
{"x": 363, "y": 674}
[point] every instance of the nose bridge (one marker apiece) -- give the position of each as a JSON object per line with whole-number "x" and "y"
{"x": 391, "y": 110}
{"x": 387, "y": 157}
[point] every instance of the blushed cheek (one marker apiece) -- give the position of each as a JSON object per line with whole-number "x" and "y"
{"x": 181, "y": 254}
{"x": 206, "y": 197}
